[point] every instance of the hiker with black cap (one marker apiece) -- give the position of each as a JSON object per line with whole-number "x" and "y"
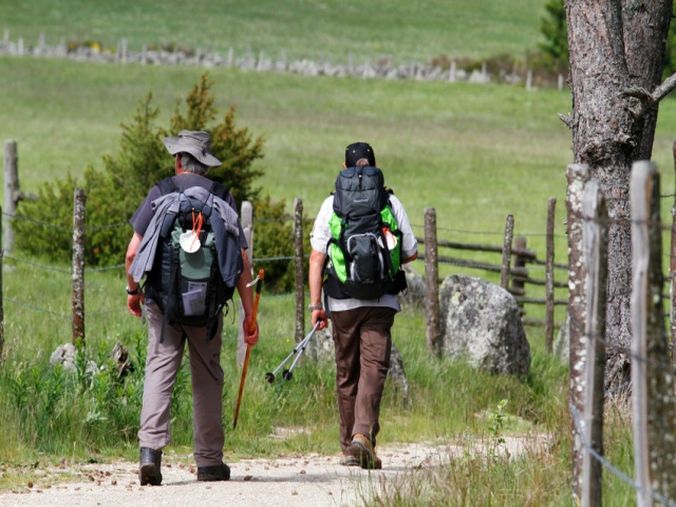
{"x": 189, "y": 245}
{"x": 360, "y": 239}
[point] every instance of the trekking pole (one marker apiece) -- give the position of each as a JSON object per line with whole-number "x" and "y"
{"x": 259, "y": 286}
{"x": 287, "y": 374}
{"x": 297, "y": 351}
{"x": 270, "y": 376}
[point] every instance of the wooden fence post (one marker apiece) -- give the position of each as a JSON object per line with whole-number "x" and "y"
{"x": 2, "y": 308}
{"x": 11, "y": 193}
{"x": 432, "y": 282}
{"x": 595, "y": 248}
{"x": 518, "y": 283}
{"x": 672, "y": 270}
{"x": 549, "y": 277}
{"x": 246, "y": 218}
{"x": 79, "y": 199}
{"x": 299, "y": 261}
{"x": 507, "y": 252}
{"x": 653, "y": 401}
{"x": 577, "y": 176}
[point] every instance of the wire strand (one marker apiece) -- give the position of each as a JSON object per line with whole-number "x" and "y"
{"x": 579, "y": 426}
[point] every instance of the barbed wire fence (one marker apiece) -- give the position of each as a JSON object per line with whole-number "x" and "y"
{"x": 512, "y": 268}
{"x": 592, "y": 350}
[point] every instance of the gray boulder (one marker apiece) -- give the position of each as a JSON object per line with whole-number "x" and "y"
{"x": 414, "y": 295}
{"x": 481, "y": 324}
{"x": 66, "y": 355}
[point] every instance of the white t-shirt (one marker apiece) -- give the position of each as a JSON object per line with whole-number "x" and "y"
{"x": 319, "y": 238}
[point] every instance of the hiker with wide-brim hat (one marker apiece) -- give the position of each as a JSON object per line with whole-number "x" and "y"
{"x": 194, "y": 142}
{"x": 362, "y": 309}
{"x": 198, "y": 320}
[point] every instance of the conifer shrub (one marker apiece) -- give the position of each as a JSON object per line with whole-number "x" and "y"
{"x": 44, "y": 226}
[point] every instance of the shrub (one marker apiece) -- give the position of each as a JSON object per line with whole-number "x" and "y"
{"x": 44, "y": 227}
{"x": 554, "y": 28}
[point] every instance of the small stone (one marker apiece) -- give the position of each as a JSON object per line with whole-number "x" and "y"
{"x": 302, "y": 472}
{"x": 248, "y": 477}
{"x": 294, "y": 493}
{"x": 30, "y": 484}
{"x": 113, "y": 482}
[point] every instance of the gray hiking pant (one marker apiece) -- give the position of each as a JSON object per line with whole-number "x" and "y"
{"x": 162, "y": 363}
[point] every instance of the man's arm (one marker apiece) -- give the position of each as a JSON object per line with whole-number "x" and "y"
{"x": 133, "y": 300}
{"x": 317, "y": 260}
{"x": 246, "y": 296}
{"x": 410, "y": 258}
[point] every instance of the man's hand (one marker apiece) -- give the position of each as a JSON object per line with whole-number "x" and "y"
{"x": 321, "y": 317}
{"x": 134, "y": 302}
{"x": 250, "y": 331}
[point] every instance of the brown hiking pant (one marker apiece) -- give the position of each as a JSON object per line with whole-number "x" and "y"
{"x": 363, "y": 343}
{"x": 165, "y": 351}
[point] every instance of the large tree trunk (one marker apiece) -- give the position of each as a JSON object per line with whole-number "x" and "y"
{"x": 615, "y": 46}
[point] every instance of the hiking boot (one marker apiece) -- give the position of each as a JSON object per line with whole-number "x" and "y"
{"x": 349, "y": 461}
{"x": 214, "y": 473}
{"x": 362, "y": 449}
{"x": 149, "y": 469}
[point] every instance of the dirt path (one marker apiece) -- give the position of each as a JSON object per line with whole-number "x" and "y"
{"x": 310, "y": 480}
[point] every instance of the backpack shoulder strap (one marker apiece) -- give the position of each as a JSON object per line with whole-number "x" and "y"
{"x": 220, "y": 190}
{"x": 167, "y": 186}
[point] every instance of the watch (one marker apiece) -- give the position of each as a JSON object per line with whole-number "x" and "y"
{"x": 314, "y": 307}
{"x": 133, "y": 292}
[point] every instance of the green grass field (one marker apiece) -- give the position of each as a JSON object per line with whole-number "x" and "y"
{"x": 475, "y": 153}
{"x": 329, "y": 28}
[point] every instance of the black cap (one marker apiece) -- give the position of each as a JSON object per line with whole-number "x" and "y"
{"x": 356, "y": 151}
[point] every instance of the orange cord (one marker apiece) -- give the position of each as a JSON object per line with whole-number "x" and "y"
{"x": 196, "y": 225}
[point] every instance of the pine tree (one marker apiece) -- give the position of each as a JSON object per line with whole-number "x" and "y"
{"x": 44, "y": 227}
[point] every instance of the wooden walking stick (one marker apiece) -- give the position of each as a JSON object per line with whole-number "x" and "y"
{"x": 247, "y": 355}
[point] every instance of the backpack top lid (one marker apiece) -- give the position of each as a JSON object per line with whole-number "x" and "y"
{"x": 360, "y": 191}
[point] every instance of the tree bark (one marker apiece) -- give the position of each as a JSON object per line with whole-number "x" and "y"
{"x": 646, "y": 27}
{"x": 615, "y": 45}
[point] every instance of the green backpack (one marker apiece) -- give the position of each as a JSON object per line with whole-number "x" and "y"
{"x": 364, "y": 252}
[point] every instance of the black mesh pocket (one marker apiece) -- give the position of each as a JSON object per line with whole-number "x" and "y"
{"x": 365, "y": 259}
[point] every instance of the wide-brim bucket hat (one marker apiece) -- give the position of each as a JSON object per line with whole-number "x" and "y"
{"x": 194, "y": 142}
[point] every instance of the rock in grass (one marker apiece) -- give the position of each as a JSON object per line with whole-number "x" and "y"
{"x": 481, "y": 324}
{"x": 414, "y": 295}
{"x": 66, "y": 354}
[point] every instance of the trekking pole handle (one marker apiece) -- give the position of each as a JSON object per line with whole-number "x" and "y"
{"x": 257, "y": 298}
